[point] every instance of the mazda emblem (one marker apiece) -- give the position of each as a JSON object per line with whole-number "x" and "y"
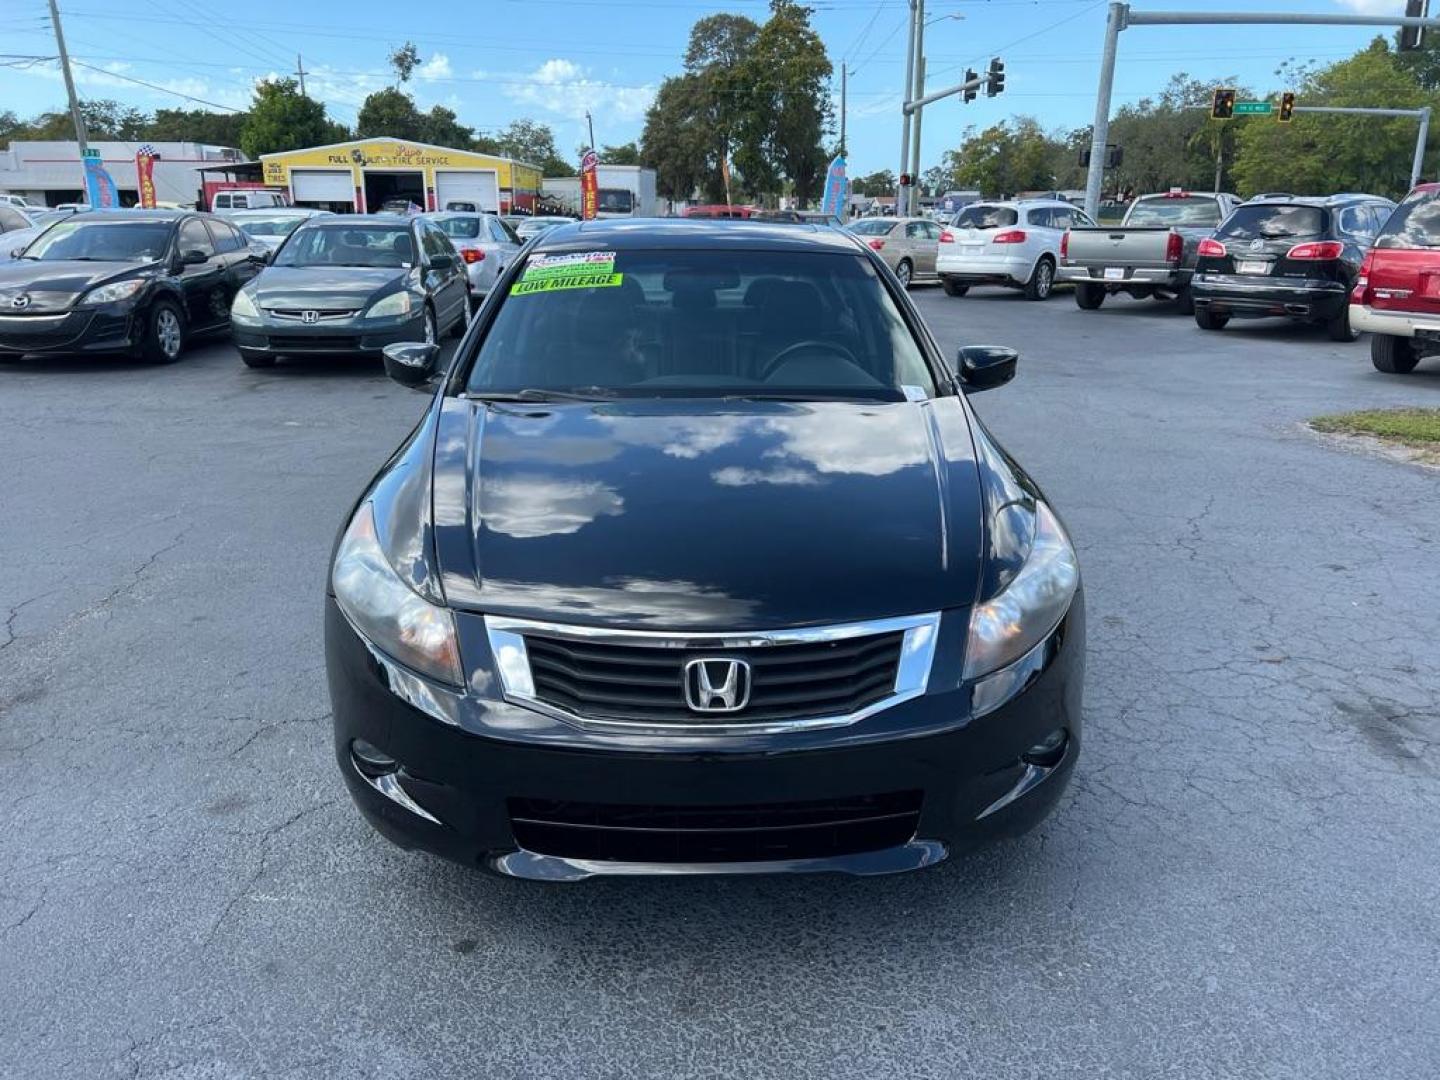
{"x": 309, "y": 317}
{"x": 21, "y": 301}
{"x": 717, "y": 685}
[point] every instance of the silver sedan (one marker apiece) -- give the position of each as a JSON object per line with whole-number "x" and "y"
{"x": 485, "y": 242}
{"x": 909, "y": 245}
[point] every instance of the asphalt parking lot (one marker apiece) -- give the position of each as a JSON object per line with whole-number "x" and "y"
{"x": 1242, "y": 881}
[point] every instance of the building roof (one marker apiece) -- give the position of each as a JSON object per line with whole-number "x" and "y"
{"x": 348, "y": 143}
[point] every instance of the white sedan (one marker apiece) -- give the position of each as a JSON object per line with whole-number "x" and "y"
{"x": 1015, "y": 243}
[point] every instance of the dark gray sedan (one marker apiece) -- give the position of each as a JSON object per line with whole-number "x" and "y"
{"x": 347, "y": 285}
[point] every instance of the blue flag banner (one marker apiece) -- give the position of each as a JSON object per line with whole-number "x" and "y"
{"x": 99, "y": 185}
{"x": 837, "y": 188}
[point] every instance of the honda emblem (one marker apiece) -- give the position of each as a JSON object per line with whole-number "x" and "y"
{"x": 717, "y": 685}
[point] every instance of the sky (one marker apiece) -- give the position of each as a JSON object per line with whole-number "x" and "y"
{"x": 493, "y": 61}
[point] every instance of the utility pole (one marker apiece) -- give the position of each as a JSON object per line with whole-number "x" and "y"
{"x": 844, "y": 73}
{"x": 300, "y": 73}
{"x": 914, "y": 196}
{"x": 589, "y": 123}
{"x": 75, "y": 113}
{"x": 905, "y": 125}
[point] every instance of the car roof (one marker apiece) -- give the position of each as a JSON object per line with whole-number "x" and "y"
{"x": 271, "y": 211}
{"x": 359, "y": 221}
{"x": 650, "y": 234}
{"x": 1342, "y": 199}
{"x": 134, "y": 214}
{"x": 436, "y": 215}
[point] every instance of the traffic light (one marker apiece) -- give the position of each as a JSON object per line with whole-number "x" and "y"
{"x": 904, "y": 179}
{"x": 996, "y": 82}
{"x": 1412, "y": 36}
{"x": 1287, "y": 107}
{"x": 1222, "y": 107}
{"x": 970, "y": 77}
{"x": 1114, "y": 155}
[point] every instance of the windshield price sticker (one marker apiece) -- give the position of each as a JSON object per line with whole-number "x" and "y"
{"x": 580, "y": 262}
{"x": 584, "y": 279}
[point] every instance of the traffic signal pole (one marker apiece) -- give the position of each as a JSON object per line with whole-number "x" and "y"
{"x": 906, "y": 110}
{"x": 1421, "y": 138}
{"x": 1121, "y": 18}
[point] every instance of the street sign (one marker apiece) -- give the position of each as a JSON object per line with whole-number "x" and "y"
{"x": 1253, "y": 108}
{"x": 91, "y": 152}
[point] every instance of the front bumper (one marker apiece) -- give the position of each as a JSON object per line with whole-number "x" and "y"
{"x": 103, "y": 329}
{"x": 348, "y": 337}
{"x": 1255, "y": 297}
{"x": 1406, "y": 324}
{"x": 1147, "y": 277}
{"x": 479, "y": 776}
{"x": 985, "y": 268}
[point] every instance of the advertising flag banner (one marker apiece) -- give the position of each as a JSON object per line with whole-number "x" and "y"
{"x": 837, "y": 188}
{"x": 145, "y": 175}
{"x": 589, "y": 185}
{"x": 99, "y": 186}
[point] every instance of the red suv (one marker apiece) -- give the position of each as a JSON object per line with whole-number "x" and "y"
{"x": 1397, "y": 294}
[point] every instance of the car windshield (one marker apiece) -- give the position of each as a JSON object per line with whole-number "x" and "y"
{"x": 281, "y": 225}
{"x": 1415, "y": 223}
{"x": 1175, "y": 210}
{"x": 460, "y": 228}
{"x": 1261, "y": 221}
{"x": 350, "y": 245}
{"x": 52, "y": 216}
{"x": 701, "y": 324}
{"x": 872, "y": 227}
{"x": 986, "y": 217}
{"x": 102, "y": 241}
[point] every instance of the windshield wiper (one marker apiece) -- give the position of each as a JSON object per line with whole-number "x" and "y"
{"x": 533, "y": 393}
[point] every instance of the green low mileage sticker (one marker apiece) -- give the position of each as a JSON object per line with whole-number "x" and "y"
{"x": 572, "y": 270}
{"x": 572, "y": 280}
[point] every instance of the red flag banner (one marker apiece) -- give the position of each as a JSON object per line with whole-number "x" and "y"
{"x": 145, "y": 177}
{"x": 589, "y": 185}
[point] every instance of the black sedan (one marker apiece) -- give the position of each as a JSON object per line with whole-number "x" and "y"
{"x": 1288, "y": 256}
{"x": 350, "y": 286}
{"x": 700, "y": 562}
{"x": 138, "y": 282}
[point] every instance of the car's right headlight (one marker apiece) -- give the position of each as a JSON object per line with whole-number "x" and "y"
{"x": 386, "y": 611}
{"x": 244, "y": 306}
{"x": 395, "y": 304}
{"x": 1032, "y": 603}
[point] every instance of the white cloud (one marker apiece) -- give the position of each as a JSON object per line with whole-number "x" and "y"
{"x": 1375, "y": 7}
{"x": 437, "y": 67}
{"x": 566, "y": 89}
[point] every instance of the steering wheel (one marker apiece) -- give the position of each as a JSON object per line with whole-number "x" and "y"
{"x": 813, "y": 343}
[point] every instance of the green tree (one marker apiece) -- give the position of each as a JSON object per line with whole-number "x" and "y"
{"x": 441, "y": 127}
{"x": 281, "y": 118}
{"x": 1318, "y": 153}
{"x": 787, "y": 111}
{"x": 1006, "y": 159}
{"x": 624, "y": 154}
{"x": 196, "y": 125}
{"x": 683, "y": 152}
{"x": 389, "y": 114}
{"x": 534, "y": 143}
{"x": 876, "y": 183}
{"x": 1170, "y": 140}
{"x": 405, "y": 60}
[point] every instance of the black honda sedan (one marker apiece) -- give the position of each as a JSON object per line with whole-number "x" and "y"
{"x": 349, "y": 286}
{"x": 700, "y": 562}
{"x": 138, "y": 282}
{"x": 1288, "y": 256}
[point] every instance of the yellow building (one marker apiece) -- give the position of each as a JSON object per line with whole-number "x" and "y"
{"x": 360, "y": 176}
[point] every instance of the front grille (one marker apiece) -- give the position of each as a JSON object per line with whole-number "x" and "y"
{"x": 708, "y": 834}
{"x": 322, "y": 314}
{"x": 314, "y": 342}
{"x": 609, "y": 681}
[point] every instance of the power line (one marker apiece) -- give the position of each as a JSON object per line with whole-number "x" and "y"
{"x": 154, "y": 86}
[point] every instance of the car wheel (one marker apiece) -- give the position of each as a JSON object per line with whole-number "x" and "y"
{"x": 255, "y": 359}
{"x": 164, "y": 334}
{"x": 953, "y": 288}
{"x": 1089, "y": 297}
{"x": 1339, "y": 328}
{"x": 431, "y": 334}
{"x": 1393, "y": 355}
{"x": 903, "y": 273}
{"x": 1042, "y": 280}
{"x": 1206, "y": 319}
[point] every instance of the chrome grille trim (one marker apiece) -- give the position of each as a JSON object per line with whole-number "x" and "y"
{"x": 322, "y": 314}
{"x": 512, "y": 664}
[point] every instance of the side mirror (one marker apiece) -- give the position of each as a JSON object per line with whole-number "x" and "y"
{"x": 442, "y": 262}
{"x": 15, "y": 253}
{"x": 193, "y": 257}
{"x": 411, "y": 363}
{"x": 984, "y": 367}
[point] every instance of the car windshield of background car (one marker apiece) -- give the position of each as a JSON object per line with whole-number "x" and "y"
{"x": 702, "y": 324}
{"x": 1282, "y": 221}
{"x": 986, "y": 217}
{"x": 350, "y": 245}
{"x": 102, "y": 241}
{"x": 282, "y": 225}
{"x": 1168, "y": 211}
{"x": 1415, "y": 222}
{"x": 460, "y": 228}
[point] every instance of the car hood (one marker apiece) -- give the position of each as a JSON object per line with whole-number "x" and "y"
{"x": 54, "y": 286}
{"x": 325, "y": 286}
{"x": 696, "y": 515}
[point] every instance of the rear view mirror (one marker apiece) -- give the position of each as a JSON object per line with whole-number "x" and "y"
{"x": 442, "y": 262}
{"x": 193, "y": 257}
{"x": 411, "y": 363}
{"x": 984, "y": 367}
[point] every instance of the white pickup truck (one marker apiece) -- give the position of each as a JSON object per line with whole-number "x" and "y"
{"x": 1152, "y": 252}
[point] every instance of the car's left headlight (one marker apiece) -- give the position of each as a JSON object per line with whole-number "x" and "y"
{"x": 395, "y": 304}
{"x": 1019, "y": 617}
{"x": 386, "y": 611}
{"x": 108, "y": 294}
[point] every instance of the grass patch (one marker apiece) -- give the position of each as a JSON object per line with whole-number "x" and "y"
{"x": 1413, "y": 427}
